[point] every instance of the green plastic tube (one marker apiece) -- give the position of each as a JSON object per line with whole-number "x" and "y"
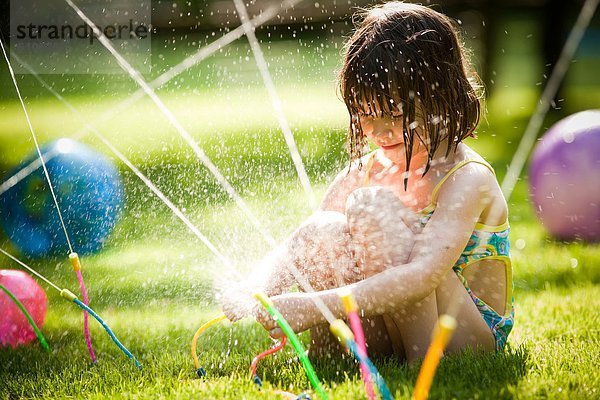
{"x": 37, "y": 331}
{"x": 266, "y": 302}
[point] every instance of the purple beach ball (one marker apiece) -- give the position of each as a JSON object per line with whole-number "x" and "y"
{"x": 564, "y": 178}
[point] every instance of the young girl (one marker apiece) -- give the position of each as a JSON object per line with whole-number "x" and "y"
{"x": 417, "y": 228}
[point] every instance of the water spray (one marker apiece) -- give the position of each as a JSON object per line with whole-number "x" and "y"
{"x": 175, "y": 71}
{"x": 275, "y": 101}
{"x": 52, "y": 153}
{"x": 185, "y": 135}
{"x": 178, "y": 213}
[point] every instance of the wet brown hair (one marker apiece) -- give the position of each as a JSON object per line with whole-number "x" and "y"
{"x": 409, "y": 58}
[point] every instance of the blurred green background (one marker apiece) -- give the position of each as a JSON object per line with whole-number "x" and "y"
{"x": 224, "y": 105}
{"x": 155, "y": 280}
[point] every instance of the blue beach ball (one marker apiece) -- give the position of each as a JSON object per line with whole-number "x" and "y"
{"x": 89, "y": 193}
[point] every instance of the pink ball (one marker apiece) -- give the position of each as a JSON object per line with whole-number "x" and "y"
{"x": 14, "y": 327}
{"x": 564, "y": 177}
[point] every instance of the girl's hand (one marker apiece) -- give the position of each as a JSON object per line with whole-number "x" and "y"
{"x": 296, "y": 308}
{"x": 237, "y": 303}
{"x": 266, "y": 320}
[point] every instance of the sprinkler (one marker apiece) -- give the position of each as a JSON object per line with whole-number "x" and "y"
{"x": 201, "y": 372}
{"x": 68, "y": 295}
{"x": 266, "y": 302}
{"x": 346, "y": 337}
{"x": 441, "y": 336}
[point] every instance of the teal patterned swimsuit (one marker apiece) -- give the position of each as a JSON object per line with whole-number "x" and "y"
{"x": 494, "y": 245}
{"x": 486, "y": 243}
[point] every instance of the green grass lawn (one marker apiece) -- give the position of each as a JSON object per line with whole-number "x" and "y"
{"x": 154, "y": 282}
{"x": 155, "y": 293}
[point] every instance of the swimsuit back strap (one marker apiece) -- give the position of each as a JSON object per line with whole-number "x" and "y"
{"x": 366, "y": 178}
{"x": 453, "y": 170}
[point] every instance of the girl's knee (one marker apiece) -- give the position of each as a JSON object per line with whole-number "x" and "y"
{"x": 381, "y": 206}
{"x": 325, "y": 230}
{"x": 371, "y": 203}
{"x": 321, "y": 249}
{"x": 378, "y": 229}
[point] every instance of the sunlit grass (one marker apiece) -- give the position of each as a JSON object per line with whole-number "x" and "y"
{"x": 155, "y": 294}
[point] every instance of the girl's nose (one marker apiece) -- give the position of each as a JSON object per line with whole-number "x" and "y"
{"x": 383, "y": 133}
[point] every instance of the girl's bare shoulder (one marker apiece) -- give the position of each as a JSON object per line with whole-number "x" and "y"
{"x": 479, "y": 180}
{"x": 347, "y": 180}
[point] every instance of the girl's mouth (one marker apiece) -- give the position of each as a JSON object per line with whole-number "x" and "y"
{"x": 391, "y": 147}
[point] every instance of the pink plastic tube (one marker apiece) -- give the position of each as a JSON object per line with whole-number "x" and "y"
{"x": 359, "y": 337}
{"x": 86, "y": 328}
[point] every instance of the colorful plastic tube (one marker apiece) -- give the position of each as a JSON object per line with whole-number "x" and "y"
{"x": 76, "y": 264}
{"x": 256, "y": 360}
{"x": 351, "y": 309}
{"x": 199, "y": 370}
{"x": 441, "y": 336}
{"x": 266, "y": 302}
{"x": 65, "y": 293}
{"x": 37, "y": 331}
{"x": 341, "y": 330}
{"x": 202, "y": 372}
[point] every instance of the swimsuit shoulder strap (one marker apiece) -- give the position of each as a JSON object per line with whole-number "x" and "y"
{"x": 365, "y": 181}
{"x": 461, "y": 164}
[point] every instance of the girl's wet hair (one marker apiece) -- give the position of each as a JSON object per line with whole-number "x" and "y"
{"x": 405, "y": 58}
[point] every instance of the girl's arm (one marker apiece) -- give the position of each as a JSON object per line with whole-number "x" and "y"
{"x": 461, "y": 201}
{"x": 337, "y": 193}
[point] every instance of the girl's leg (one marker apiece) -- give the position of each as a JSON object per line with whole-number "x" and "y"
{"x": 332, "y": 249}
{"x": 323, "y": 251}
{"x": 472, "y": 331}
{"x": 380, "y": 229}
{"x": 410, "y": 328}
{"x": 381, "y": 225}
{"x": 320, "y": 250}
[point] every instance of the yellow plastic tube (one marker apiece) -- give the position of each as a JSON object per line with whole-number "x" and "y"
{"x": 204, "y": 327}
{"x": 441, "y": 336}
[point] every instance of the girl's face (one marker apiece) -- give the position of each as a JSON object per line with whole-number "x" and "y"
{"x": 386, "y": 133}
